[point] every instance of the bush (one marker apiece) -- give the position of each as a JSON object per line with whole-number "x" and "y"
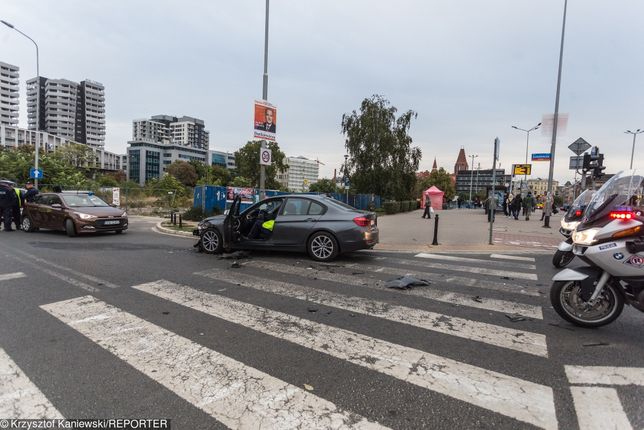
{"x": 391, "y": 207}
{"x": 197, "y": 214}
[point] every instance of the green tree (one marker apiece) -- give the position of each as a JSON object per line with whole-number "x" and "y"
{"x": 184, "y": 172}
{"x": 440, "y": 178}
{"x": 323, "y": 186}
{"x": 241, "y": 181}
{"x": 381, "y": 158}
{"x": 247, "y": 161}
{"x": 76, "y": 155}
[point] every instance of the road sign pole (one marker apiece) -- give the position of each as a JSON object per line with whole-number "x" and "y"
{"x": 492, "y": 199}
{"x": 262, "y": 168}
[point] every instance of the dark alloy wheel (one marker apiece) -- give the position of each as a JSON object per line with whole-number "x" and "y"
{"x": 70, "y": 229}
{"x": 322, "y": 246}
{"x": 562, "y": 258}
{"x": 211, "y": 241}
{"x": 27, "y": 225}
{"x": 566, "y": 299}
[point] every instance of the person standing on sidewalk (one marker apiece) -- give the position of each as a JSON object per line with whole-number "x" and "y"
{"x": 528, "y": 205}
{"x": 516, "y": 206}
{"x": 7, "y": 202}
{"x": 428, "y": 205}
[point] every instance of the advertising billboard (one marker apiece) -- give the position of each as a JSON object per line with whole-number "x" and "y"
{"x": 247, "y": 194}
{"x": 265, "y": 121}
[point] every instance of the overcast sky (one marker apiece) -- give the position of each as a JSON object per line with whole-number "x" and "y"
{"x": 471, "y": 69}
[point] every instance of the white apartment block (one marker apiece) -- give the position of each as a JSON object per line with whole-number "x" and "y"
{"x": 15, "y": 137}
{"x": 300, "y": 175}
{"x": 68, "y": 109}
{"x": 184, "y": 131}
{"x": 9, "y": 94}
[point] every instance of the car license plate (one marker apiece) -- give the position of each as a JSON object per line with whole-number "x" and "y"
{"x": 112, "y": 222}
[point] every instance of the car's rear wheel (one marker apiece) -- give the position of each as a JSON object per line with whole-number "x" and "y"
{"x": 323, "y": 246}
{"x": 211, "y": 241}
{"x": 28, "y": 225}
{"x": 70, "y": 229}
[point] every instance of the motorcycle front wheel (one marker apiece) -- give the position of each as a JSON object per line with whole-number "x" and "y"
{"x": 562, "y": 258}
{"x": 565, "y": 297}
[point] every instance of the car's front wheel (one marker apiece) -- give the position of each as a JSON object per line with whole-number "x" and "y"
{"x": 28, "y": 225}
{"x": 211, "y": 241}
{"x": 70, "y": 229}
{"x": 323, "y": 246}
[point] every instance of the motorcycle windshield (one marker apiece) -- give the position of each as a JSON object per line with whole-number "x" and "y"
{"x": 580, "y": 204}
{"x": 622, "y": 190}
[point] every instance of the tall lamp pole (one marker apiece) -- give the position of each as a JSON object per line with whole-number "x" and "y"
{"x": 634, "y": 133}
{"x": 346, "y": 175}
{"x": 472, "y": 175}
{"x": 553, "y": 144}
{"x": 37, "y": 94}
{"x": 527, "y": 142}
{"x": 262, "y": 168}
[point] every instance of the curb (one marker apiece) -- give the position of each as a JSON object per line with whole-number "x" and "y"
{"x": 159, "y": 228}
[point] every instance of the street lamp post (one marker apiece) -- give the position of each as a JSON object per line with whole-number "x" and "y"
{"x": 555, "y": 124}
{"x": 527, "y": 142}
{"x": 37, "y": 94}
{"x": 346, "y": 175}
{"x": 262, "y": 168}
{"x": 472, "y": 175}
{"x": 634, "y": 133}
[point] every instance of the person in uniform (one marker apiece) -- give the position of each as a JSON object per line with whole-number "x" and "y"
{"x": 7, "y": 202}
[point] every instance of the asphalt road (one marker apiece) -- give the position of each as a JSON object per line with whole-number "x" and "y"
{"x": 140, "y": 325}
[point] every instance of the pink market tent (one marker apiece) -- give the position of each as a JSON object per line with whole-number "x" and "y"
{"x": 434, "y": 195}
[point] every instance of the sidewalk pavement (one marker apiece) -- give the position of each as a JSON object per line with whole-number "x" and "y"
{"x": 467, "y": 230}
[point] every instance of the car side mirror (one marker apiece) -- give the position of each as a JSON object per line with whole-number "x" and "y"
{"x": 57, "y": 206}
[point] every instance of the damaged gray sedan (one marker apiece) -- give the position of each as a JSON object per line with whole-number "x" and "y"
{"x": 318, "y": 225}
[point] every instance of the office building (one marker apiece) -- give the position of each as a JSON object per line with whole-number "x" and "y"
{"x": 71, "y": 110}
{"x": 480, "y": 180}
{"x": 9, "y": 96}
{"x": 148, "y": 160}
{"x": 223, "y": 159}
{"x": 539, "y": 186}
{"x": 300, "y": 174}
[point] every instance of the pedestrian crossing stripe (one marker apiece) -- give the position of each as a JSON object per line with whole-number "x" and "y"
{"x": 10, "y": 276}
{"x": 237, "y": 395}
{"x": 496, "y": 305}
{"x": 599, "y": 408}
{"x": 467, "y": 269}
{"x": 460, "y": 259}
{"x": 605, "y": 375}
{"x": 511, "y": 257}
{"x": 518, "y": 340}
{"x": 19, "y": 397}
{"x": 523, "y": 400}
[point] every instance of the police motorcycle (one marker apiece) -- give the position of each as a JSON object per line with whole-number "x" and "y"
{"x": 564, "y": 255}
{"x": 610, "y": 240}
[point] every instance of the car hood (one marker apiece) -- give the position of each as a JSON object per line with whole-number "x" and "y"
{"x": 217, "y": 219}
{"x": 99, "y": 211}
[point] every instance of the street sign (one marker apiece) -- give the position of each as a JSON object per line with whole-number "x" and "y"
{"x": 35, "y": 174}
{"x": 576, "y": 162}
{"x": 579, "y": 146}
{"x": 116, "y": 196}
{"x": 521, "y": 169}
{"x": 544, "y": 156}
{"x": 265, "y": 156}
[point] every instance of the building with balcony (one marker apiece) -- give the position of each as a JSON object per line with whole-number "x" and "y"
{"x": 73, "y": 111}
{"x": 167, "y": 129}
{"x": 9, "y": 96}
{"x": 300, "y": 174}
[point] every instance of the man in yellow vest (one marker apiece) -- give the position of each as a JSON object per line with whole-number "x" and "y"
{"x": 17, "y": 219}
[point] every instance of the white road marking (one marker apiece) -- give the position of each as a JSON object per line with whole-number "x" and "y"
{"x": 511, "y": 257}
{"x": 605, "y": 375}
{"x": 458, "y": 280}
{"x": 9, "y": 276}
{"x": 473, "y": 260}
{"x": 64, "y": 278}
{"x": 69, "y": 270}
{"x": 599, "y": 408}
{"x": 237, "y": 395}
{"x": 528, "y": 342}
{"x": 477, "y": 270}
{"x": 19, "y": 397}
{"x": 496, "y": 305}
{"x": 523, "y": 400}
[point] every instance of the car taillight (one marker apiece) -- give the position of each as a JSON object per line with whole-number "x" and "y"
{"x": 362, "y": 221}
{"x": 625, "y": 215}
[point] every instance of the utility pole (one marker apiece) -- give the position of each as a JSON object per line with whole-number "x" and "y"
{"x": 262, "y": 168}
{"x": 553, "y": 144}
{"x": 634, "y": 133}
{"x": 472, "y": 175}
{"x": 527, "y": 142}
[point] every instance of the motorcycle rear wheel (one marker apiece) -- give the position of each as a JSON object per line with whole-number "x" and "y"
{"x": 565, "y": 297}
{"x": 562, "y": 258}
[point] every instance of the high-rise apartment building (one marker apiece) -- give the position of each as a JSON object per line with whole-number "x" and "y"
{"x": 183, "y": 131}
{"x": 8, "y": 94}
{"x": 74, "y": 111}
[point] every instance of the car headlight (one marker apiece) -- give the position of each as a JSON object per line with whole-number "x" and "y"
{"x": 86, "y": 217}
{"x": 585, "y": 237}
{"x": 124, "y": 215}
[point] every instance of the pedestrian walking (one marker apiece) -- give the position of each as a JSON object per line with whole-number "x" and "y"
{"x": 7, "y": 202}
{"x": 428, "y": 205}
{"x": 528, "y": 205}
{"x": 505, "y": 206}
{"x": 516, "y": 206}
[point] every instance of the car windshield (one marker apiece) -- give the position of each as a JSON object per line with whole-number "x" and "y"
{"x": 623, "y": 189}
{"x": 83, "y": 200}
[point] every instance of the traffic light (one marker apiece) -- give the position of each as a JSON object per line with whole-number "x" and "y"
{"x": 594, "y": 161}
{"x": 598, "y": 170}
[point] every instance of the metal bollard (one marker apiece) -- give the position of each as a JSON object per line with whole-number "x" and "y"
{"x": 435, "y": 241}
{"x": 180, "y": 225}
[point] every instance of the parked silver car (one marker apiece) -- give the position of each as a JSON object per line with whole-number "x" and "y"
{"x": 318, "y": 225}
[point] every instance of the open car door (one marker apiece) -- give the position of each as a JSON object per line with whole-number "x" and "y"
{"x": 230, "y": 222}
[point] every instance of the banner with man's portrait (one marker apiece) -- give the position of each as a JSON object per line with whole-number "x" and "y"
{"x": 265, "y": 122}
